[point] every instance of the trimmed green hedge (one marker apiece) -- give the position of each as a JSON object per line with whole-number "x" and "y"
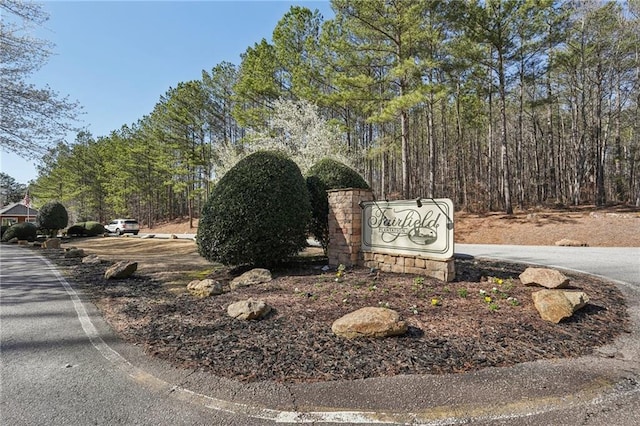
{"x": 324, "y": 175}
{"x": 336, "y": 175}
{"x": 22, "y": 231}
{"x": 257, "y": 214}
{"x": 3, "y": 228}
{"x": 86, "y": 229}
{"x": 52, "y": 217}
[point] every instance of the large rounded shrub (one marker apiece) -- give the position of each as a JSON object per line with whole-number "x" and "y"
{"x": 257, "y": 214}
{"x": 52, "y": 217}
{"x": 324, "y": 175}
{"x": 22, "y": 231}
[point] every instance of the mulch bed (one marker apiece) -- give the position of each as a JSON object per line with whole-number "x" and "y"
{"x": 452, "y": 328}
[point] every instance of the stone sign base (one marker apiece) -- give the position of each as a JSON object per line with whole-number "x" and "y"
{"x": 345, "y": 241}
{"x": 345, "y": 224}
{"x": 443, "y": 270}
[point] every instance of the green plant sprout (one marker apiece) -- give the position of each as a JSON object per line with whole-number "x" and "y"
{"x": 508, "y": 285}
{"x": 340, "y": 272}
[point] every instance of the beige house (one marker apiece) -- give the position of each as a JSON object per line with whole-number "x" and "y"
{"x": 17, "y": 213}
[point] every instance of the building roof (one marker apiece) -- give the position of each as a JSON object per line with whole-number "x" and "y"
{"x": 17, "y": 209}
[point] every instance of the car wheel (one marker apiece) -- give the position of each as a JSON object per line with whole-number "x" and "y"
{"x": 118, "y": 231}
{"x": 135, "y": 232}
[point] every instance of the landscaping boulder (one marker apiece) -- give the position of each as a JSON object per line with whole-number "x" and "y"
{"x": 74, "y": 253}
{"x": 369, "y": 322}
{"x": 556, "y": 305}
{"x": 52, "y": 243}
{"x": 565, "y": 242}
{"x": 248, "y": 309}
{"x": 578, "y": 299}
{"x": 252, "y": 277}
{"x": 549, "y": 278}
{"x": 92, "y": 259}
{"x": 122, "y": 269}
{"x": 204, "y": 288}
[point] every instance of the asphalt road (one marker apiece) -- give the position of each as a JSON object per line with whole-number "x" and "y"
{"x": 53, "y": 364}
{"x": 615, "y": 263}
{"x": 60, "y": 364}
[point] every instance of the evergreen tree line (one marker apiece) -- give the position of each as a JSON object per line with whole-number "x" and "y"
{"x": 11, "y": 191}
{"x": 495, "y": 104}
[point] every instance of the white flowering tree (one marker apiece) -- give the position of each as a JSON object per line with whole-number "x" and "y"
{"x": 296, "y": 129}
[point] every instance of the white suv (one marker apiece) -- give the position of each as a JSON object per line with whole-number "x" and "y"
{"x": 120, "y": 226}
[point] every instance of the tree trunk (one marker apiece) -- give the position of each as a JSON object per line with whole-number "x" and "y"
{"x": 432, "y": 148}
{"x": 600, "y": 142}
{"x": 506, "y": 175}
{"x": 490, "y": 184}
{"x": 404, "y": 128}
{"x": 520, "y": 141}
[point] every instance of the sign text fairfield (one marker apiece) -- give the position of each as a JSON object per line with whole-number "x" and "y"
{"x": 422, "y": 227}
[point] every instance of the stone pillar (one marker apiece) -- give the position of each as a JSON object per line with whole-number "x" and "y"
{"x": 345, "y": 225}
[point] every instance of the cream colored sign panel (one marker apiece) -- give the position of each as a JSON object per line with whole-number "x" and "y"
{"x": 422, "y": 227}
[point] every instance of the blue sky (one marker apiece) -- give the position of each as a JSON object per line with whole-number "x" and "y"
{"x": 117, "y": 58}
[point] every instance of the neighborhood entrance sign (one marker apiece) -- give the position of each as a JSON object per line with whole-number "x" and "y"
{"x": 422, "y": 227}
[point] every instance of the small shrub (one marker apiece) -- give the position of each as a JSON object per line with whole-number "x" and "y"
{"x": 86, "y": 229}
{"x": 3, "y": 229}
{"x": 22, "y": 231}
{"x": 90, "y": 228}
{"x": 257, "y": 214}
{"x": 324, "y": 175}
{"x": 52, "y": 217}
{"x": 76, "y": 231}
{"x": 95, "y": 228}
{"x": 333, "y": 174}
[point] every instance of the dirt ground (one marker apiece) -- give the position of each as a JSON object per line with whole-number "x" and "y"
{"x": 611, "y": 227}
{"x": 453, "y": 327}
